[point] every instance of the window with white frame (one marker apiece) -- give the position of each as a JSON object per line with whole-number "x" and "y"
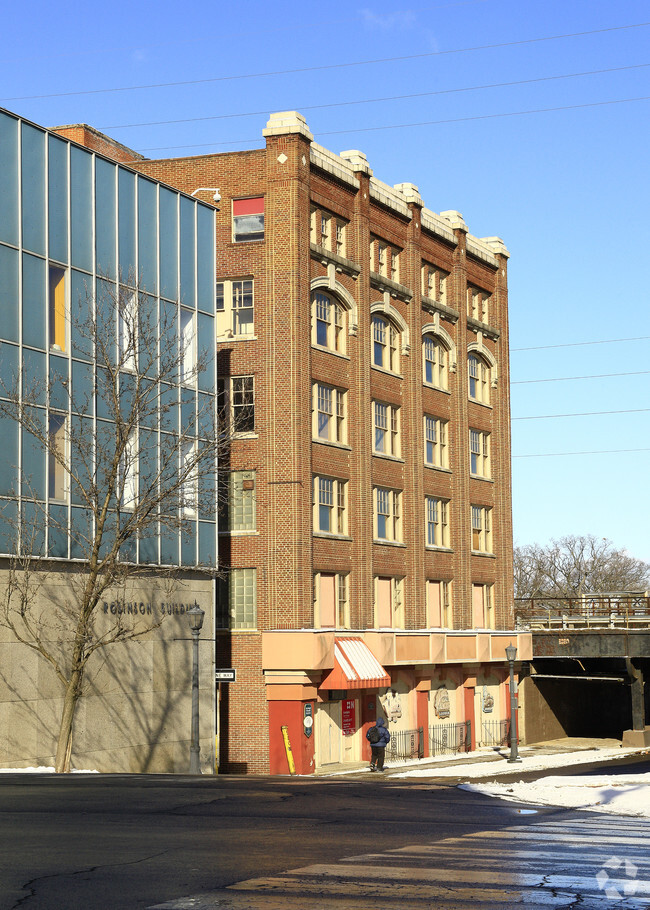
{"x": 435, "y": 361}
{"x": 436, "y": 453}
{"x": 237, "y": 600}
{"x": 128, "y": 473}
{"x": 437, "y": 511}
{"x": 57, "y": 456}
{"x": 242, "y": 501}
{"x": 479, "y": 453}
{"x": 188, "y": 346}
{"x": 331, "y": 600}
{"x": 385, "y": 344}
{"x": 434, "y": 282}
{"x": 57, "y": 307}
{"x": 478, "y": 304}
{"x": 479, "y": 379}
{"x": 189, "y": 478}
{"x": 386, "y": 426}
{"x": 236, "y": 398}
{"x": 328, "y": 323}
{"x": 384, "y": 258}
{"x": 327, "y": 231}
{"x": 483, "y": 615}
{"x": 389, "y": 602}
{"x": 330, "y": 505}
{"x": 235, "y": 307}
{"x": 482, "y": 529}
{"x": 248, "y": 219}
{"x": 329, "y": 408}
{"x": 439, "y": 609}
{"x": 127, "y": 329}
{"x": 387, "y": 514}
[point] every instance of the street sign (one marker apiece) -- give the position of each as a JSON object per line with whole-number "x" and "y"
{"x": 225, "y": 675}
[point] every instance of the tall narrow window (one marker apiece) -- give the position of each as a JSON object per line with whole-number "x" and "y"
{"x": 389, "y": 602}
{"x": 386, "y": 429}
{"x": 188, "y": 346}
{"x": 434, "y": 357}
{"x": 189, "y": 478}
{"x": 330, "y": 505}
{"x": 243, "y": 404}
{"x": 128, "y": 474}
{"x": 479, "y": 379}
{"x": 328, "y": 323}
{"x": 435, "y": 442}
{"x": 482, "y": 529}
{"x": 235, "y": 307}
{"x": 388, "y": 517}
{"x": 237, "y": 600}
{"x": 479, "y": 453}
{"x": 57, "y": 305}
{"x": 248, "y": 219}
{"x": 128, "y": 328}
{"x": 437, "y": 522}
{"x": 57, "y": 455}
{"x": 241, "y": 501}
{"x": 330, "y": 413}
{"x": 385, "y": 344}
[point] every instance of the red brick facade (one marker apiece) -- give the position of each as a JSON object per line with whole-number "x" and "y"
{"x": 287, "y": 266}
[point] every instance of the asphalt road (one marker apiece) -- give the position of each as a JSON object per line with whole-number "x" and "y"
{"x": 106, "y": 842}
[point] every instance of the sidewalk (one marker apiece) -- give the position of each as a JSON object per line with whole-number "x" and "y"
{"x": 488, "y": 762}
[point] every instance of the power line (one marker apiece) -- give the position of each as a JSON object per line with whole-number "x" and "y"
{"x": 398, "y": 126}
{"x": 582, "y": 414}
{"x": 330, "y": 66}
{"x": 563, "y": 454}
{"x": 571, "y": 378}
{"x": 577, "y": 344}
{"x": 317, "y": 107}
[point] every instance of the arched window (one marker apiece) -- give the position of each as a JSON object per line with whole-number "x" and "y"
{"x": 385, "y": 344}
{"x": 435, "y": 362}
{"x": 328, "y": 323}
{"x": 479, "y": 379}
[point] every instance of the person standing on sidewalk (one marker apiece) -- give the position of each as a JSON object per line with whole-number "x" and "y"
{"x": 378, "y": 737}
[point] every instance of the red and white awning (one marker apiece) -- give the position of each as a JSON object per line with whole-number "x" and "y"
{"x": 355, "y": 667}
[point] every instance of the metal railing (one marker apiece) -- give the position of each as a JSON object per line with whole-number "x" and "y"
{"x": 495, "y": 733}
{"x": 448, "y": 739}
{"x": 406, "y": 744}
{"x": 590, "y": 611}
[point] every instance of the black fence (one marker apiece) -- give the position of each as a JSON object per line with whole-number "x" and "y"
{"x": 448, "y": 739}
{"x": 494, "y": 733}
{"x": 406, "y": 744}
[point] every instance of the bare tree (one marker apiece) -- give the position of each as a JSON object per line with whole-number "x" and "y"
{"x": 575, "y": 565}
{"x": 131, "y": 442}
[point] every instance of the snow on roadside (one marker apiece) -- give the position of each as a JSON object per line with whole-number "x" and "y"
{"x": 624, "y": 794}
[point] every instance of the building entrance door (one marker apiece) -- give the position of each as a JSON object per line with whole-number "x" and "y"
{"x": 328, "y": 733}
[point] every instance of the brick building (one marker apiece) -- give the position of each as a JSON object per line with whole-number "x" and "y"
{"x": 363, "y": 364}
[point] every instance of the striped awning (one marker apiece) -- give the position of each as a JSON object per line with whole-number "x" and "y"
{"x": 355, "y": 667}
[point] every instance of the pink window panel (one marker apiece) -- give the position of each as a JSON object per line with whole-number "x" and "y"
{"x": 327, "y": 601}
{"x": 253, "y": 206}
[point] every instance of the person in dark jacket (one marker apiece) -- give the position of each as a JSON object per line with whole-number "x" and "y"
{"x": 378, "y": 748}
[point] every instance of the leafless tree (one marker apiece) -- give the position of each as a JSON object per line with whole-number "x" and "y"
{"x": 575, "y": 565}
{"x": 137, "y": 459}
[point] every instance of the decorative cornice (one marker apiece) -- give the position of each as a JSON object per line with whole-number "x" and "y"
{"x": 385, "y": 195}
{"x": 436, "y": 225}
{"x": 340, "y": 263}
{"x": 475, "y": 325}
{"x": 284, "y": 123}
{"x": 434, "y": 306}
{"x": 334, "y": 165}
{"x": 394, "y": 288}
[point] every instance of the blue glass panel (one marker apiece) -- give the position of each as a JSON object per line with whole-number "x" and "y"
{"x": 57, "y": 190}
{"x": 105, "y": 442}
{"x": 148, "y": 329}
{"x": 149, "y": 413}
{"x": 82, "y": 387}
{"x": 149, "y": 547}
{"x": 188, "y": 250}
{"x": 207, "y": 543}
{"x": 127, "y": 395}
{"x": 108, "y": 535}
{"x": 148, "y": 466}
{"x": 8, "y": 526}
{"x": 206, "y": 350}
{"x": 168, "y": 332}
{"x": 188, "y": 412}
{"x": 188, "y": 545}
{"x": 80, "y": 533}
{"x": 34, "y": 460}
{"x": 168, "y": 546}
{"x": 81, "y": 459}
{"x": 81, "y": 212}
{"x": 207, "y": 426}
{"x": 59, "y": 378}
{"x": 207, "y": 490}
{"x": 129, "y": 549}
{"x": 57, "y": 538}
{"x": 205, "y": 259}
{"x": 34, "y": 297}
{"x": 33, "y": 187}
{"x": 8, "y": 456}
{"x": 9, "y": 368}
{"x": 168, "y": 244}
{"x": 8, "y": 179}
{"x": 147, "y": 235}
{"x": 169, "y": 409}
{"x": 105, "y": 217}
{"x": 106, "y": 315}
{"x": 8, "y": 291}
{"x": 104, "y": 401}
{"x": 81, "y": 308}
{"x": 126, "y": 197}
{"x": 34, "y": 377}
{"x": 33, "y": 529}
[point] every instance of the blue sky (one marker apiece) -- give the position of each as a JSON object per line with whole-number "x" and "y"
{"x": 523, "y": 122}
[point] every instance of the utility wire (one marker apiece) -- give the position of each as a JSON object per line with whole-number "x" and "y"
{"x": 571, "y": 378}
{"x": 330, "y": 66}
{"x": 318, "y": 107}
{"x": 398, "y": 126}
{"x": 582, "y": 414}
{"x": 563, "y": 454}
{"x": 577, "y": 344}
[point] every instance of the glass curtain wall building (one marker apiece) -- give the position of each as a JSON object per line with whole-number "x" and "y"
{"x": 76, "y": 229}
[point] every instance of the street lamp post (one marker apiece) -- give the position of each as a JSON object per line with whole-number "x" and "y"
{"x": 195, "y": 616}
{"x": 511, "y": 653}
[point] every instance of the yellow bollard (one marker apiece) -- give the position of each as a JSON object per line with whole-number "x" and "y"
{"x": 287, "y": 748}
